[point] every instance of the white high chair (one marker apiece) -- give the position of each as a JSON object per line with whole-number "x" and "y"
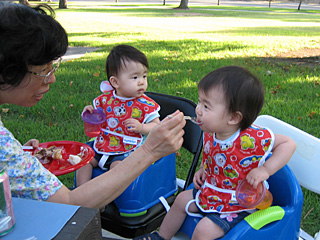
{"x": 305, "y": 162}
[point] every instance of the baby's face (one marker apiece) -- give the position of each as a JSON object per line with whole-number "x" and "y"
{"x": 213, "y": 113}
{"x": 132, "y": 80}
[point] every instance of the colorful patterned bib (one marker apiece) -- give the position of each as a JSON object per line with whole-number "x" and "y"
{"x": 115, "y": 138}
{"x": 226, "y": 163}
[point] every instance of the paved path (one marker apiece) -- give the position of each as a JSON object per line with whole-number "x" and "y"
{"x": 306, "y": 5}
{"x": 77, "y": 52}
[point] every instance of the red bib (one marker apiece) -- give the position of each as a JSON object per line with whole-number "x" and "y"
{"x": 226, "y": 163}
{"x": 115, "y": 137}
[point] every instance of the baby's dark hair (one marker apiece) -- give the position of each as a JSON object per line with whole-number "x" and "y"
{"x": 243, "y": 91}
{"x": 118, "y": 57}
{"x": 29, "y": 36}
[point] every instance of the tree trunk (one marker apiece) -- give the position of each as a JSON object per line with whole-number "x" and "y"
{"x": 62, "y": 4}
{"x": 24, "y": 2}
{"x": 183, "y": 4}
{"x": 269, "y": 3}
{"x": 218, "y": 2}
{"x": 299, "y": 4}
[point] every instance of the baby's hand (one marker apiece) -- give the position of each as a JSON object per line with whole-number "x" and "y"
{"x": 199, "y": 178}
{"x": 88, "y": 108}
{"x": 32, "y": 142}
{"x": 133, "y": 125}
{"x": 257, "y": 175}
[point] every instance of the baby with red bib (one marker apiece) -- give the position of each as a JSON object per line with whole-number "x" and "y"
{"x": 130, "y": 113}
{"x": 230, "y": 99}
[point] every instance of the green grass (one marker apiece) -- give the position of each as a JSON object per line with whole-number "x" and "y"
{"x": 182, "y": 47}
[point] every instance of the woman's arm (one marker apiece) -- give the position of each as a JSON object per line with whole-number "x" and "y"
{"x": 165, "y": 138}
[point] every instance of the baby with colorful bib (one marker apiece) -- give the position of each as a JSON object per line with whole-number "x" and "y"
{"x": 130, "y": 113}
{"x": 230, "y": 99}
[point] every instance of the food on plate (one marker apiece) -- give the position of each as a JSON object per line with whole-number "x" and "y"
{"x": 47, "y": 154}
{"x": 74, "y": 159}
{"x": 57, "y": 154}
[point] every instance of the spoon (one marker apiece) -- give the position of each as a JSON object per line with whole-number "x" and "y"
{"x": 192, "y": 119}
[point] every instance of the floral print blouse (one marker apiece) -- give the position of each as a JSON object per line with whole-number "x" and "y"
{"x": 28, "y": 178}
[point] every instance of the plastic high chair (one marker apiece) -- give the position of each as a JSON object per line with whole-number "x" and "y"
{"x": 305, "y": 162}
{"x": 281, "y": 220}
{"x": 142, "y": 206}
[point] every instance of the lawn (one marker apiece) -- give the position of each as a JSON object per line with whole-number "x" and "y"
{"x": 281, "y": 47}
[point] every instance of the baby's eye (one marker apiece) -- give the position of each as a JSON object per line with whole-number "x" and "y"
{"x": 144, "y": 76}
{"x": 135, "y": 77}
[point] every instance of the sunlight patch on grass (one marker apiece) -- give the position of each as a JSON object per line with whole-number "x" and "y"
{"x": 106, "y": 21}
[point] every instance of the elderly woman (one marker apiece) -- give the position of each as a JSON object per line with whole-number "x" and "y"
{"x": 31, "y": 45}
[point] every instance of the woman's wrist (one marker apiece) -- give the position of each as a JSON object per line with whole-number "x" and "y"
{"x": 148, "y": 153}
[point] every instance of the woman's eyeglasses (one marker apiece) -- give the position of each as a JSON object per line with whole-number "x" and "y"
{"x": 47, "y": 76}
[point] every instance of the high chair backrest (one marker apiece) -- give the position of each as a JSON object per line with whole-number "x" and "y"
{"x": 169, "y": 104}
{"x": 305, "y": 163}
{"x": 192, "y": 139}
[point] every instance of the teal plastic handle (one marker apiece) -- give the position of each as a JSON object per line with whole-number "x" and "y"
{"x": 261, "y": 218}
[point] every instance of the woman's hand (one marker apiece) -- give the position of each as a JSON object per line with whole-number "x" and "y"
{"x": 166, "y": 137}
{"x": 32, "y": 142}
{"x": 199, "y": 178}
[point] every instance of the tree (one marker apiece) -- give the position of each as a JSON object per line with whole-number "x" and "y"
{"x": 299, "y": 4}
{"x": 183, "y": 4}
{"x": 62, "y": 4}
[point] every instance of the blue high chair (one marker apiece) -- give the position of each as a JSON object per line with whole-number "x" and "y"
{"x": 281, "y": 221}
{"x": 142, "y": 206}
